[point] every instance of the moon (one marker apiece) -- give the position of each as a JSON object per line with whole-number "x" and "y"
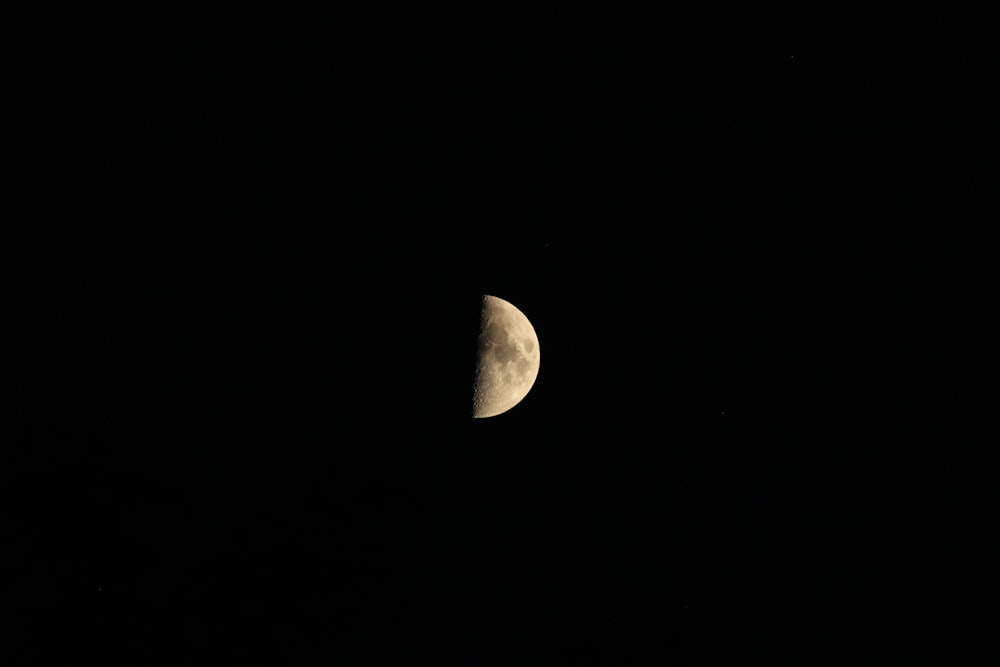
{"x": 507, "y": 361}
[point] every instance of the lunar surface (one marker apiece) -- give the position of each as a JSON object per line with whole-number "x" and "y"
{"x": 507, "y": 362}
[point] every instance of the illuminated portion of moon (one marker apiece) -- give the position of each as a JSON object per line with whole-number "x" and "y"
{"x": 507, "y": 362}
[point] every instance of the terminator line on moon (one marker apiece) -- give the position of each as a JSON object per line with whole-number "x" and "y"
{"x": 507, "y": 362}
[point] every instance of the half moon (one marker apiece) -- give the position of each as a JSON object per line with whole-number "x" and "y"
{"x": 507, "y": 361}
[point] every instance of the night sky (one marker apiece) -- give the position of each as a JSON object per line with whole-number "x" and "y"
{"x": 241, "y": 281}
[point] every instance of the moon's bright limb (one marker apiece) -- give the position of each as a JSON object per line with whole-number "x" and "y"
{"x": 507, "y": 364}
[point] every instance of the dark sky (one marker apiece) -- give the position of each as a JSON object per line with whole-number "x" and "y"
{"x": 241, "y": 281}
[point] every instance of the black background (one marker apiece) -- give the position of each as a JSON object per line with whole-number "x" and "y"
{"x": 241, "y": 279}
